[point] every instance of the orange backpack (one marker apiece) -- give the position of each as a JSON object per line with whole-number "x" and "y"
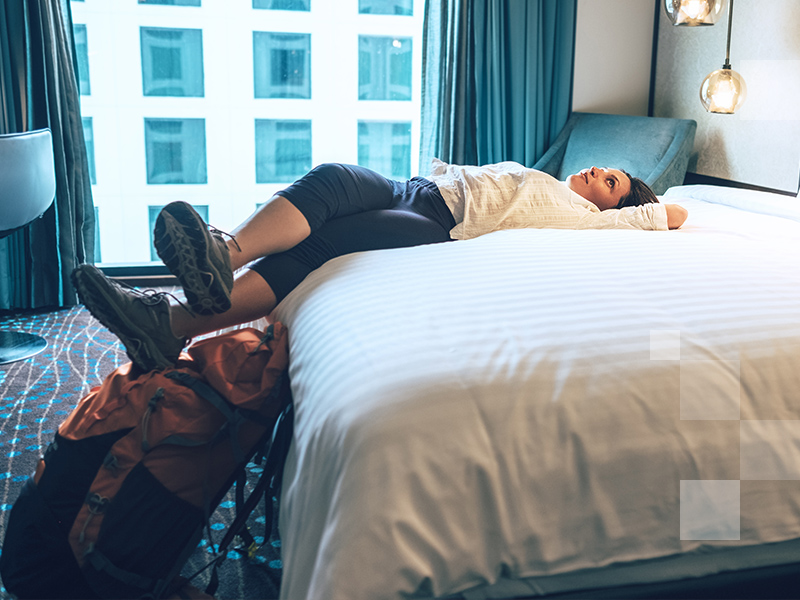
{"x": 121, "y": 497}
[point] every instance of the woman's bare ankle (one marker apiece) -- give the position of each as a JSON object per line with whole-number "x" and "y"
{"x": 236, "y": 255}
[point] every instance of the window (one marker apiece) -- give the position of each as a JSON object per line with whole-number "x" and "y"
{"x": 172, "y": 2}
{"x": 153, "y": 211}
{"x": 283, "y": 150}
{"x": 384, "y": 68}
{"x": 282, "y": 65}
{"x": 88, "y": 137}
{"x": 82, "y": 52}
{"x": 176, "y": 150}
{"x": 172, "y": 62}
{"x": 226, "y": 112}
{"x": 283, "y": 4}
{"x": 385, "y": 148}
{"x": 386, "y": 7}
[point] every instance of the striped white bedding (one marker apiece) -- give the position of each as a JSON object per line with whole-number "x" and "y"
{"x": 527, "y": 404}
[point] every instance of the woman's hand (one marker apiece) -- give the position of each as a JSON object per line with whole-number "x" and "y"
{"x": 676, "y": 215}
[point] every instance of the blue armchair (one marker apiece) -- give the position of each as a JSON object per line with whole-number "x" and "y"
{"x": 652, "y": 148}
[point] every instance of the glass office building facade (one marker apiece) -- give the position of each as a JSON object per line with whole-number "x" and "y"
{"x": 222, "y": 103}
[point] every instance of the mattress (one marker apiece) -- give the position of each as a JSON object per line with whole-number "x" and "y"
{"x": 551, "y": 409}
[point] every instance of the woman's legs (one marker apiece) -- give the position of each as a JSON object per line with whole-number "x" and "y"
{"x": 155, "y": 331}
{"x": 322, "y": 202}
{"x": 329, "y": 191}
{"x": 204, "y": 262}
{"x": 277, "y": 226}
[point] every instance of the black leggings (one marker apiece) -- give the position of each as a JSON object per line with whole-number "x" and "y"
{"x": 353, "y": 209}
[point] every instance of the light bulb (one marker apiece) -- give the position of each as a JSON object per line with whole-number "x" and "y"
{"x": 694, "y": 12}
{"x": 695, "y": 9}
{"x": 723, "y": 91}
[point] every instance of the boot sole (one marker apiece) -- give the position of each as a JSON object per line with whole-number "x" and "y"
{"x": 180, "y": 238}
{"x": 95, "y": 294}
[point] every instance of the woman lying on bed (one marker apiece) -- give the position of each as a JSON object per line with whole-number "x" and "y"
{"x": 335, "y": 210}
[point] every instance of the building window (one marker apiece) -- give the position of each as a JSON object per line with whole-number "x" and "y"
{"x": 88, "y": 138}
{"x": 172, "y": 62}
{"x": 172, "y": 2}
{"x": 283, "y": 150}
{"x": 385, "y": 148}
{"x": 283, "y": 4}
{"x": 82, "y": 52}
{"x": 384, "y": 68}
{"x": 176, "y": 150}
{"x": 153, "y": 211}
{"x": 386, "y": 7}
{"x": 282, "y": 65}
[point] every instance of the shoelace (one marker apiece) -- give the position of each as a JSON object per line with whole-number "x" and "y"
{"x": 151, "y": 297}
{"x": 219, "y": 232}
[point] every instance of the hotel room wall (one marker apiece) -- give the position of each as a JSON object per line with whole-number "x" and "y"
{"x": 760, "y": 144}
{"x": 613, "y": 56}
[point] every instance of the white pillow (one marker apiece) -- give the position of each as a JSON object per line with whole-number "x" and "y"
{"x": 755, "y": 201}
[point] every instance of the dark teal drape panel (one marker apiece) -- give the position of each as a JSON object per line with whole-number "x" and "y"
{"x": 38, "y": 88}
{"x": 448, "y": 126}
{"x": 497, "y": 79}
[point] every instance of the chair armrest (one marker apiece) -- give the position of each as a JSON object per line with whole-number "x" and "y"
{"x": 552, "y": 159}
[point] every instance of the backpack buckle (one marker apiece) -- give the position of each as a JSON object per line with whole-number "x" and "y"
{"x": 111, "y": 463}
{"x": 97, "y": 503}
{"x": 97, "y": 506}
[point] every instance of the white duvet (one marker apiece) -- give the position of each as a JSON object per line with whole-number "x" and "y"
{"x": 511, "y": 406}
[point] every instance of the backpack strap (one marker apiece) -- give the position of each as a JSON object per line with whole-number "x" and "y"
{"x": 244, "y": 534}
{"x": 100, "y": 562}
{"x": 268, "y": 483}
{"x": 205, "y": 391}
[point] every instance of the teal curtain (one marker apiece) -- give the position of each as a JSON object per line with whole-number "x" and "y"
{"x": 497, "y": 79}
{"x": 38, "y": 89}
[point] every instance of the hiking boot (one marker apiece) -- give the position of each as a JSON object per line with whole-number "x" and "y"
{"x": 197, "y": 255}
{"x": 141, "y": 320}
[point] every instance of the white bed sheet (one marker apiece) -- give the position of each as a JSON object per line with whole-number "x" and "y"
{"x": 489, "y": 409}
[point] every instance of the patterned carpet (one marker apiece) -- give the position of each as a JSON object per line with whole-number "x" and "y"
{"x": 35, "y": 396}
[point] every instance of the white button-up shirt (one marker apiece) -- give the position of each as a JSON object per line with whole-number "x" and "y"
{"x": 507, "y": 195}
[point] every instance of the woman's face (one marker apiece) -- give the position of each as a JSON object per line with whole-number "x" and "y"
{"x": 602, "y": 187}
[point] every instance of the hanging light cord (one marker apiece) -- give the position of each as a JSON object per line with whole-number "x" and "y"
{"x": 727, "y": 64}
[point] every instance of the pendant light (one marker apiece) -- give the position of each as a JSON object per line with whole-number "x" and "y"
{"x": 692, "y": 13}
{"x": 724, "y": 90}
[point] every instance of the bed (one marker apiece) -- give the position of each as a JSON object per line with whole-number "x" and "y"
{"x": 545, "y": 412}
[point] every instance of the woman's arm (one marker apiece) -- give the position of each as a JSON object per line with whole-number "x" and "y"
{"x": 676, "y": 215}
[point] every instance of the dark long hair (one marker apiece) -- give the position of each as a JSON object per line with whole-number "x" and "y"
{"x": 640, "y": 194}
